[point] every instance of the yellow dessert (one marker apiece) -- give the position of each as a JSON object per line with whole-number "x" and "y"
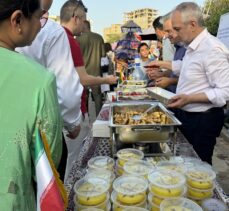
{"x": 153, "y": 207}
{"x": 117, "y": 208}
{"x": 130, "y": 190}
{"x": 200, "y": 180}
{"x": 131, "y": 199}
{"x": 92, "y": 200}
{"x": 198, "y": 194}
{"x": 120, "y": 171}
{"x": 200, "y": 184}
{"x": 156, "y": 200}
{"x": 166, "y": 192}
{"x": 166, "y": 180}
{"x": 91, "y": 194}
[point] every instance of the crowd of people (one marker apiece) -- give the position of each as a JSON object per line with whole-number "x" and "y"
{"x": 47, "y": 69}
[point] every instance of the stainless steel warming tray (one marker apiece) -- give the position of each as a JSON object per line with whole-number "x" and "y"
{"x": 146, "y": 133}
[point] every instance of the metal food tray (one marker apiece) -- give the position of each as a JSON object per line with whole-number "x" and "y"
{"x": 160, "y": 94}
{"x": 132, "y": 98}
{"x": 145, "y": 133}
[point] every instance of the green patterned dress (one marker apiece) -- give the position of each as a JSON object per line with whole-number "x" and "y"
{"x": 27, "y": 99}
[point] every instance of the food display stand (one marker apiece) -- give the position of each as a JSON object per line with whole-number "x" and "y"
{"x": 102, "y": 146}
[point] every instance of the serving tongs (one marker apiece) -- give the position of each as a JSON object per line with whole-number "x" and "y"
{"x": 139, "y": 117}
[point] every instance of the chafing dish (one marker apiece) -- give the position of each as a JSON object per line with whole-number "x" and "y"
{"x": 144, "y": 133}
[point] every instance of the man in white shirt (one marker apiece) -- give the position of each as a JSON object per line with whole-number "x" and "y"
{"x": 51, "y": 49}
{"x": 168, "y": 81}
{"x": 203, "y": 86}
{"x": 168, "y": 49}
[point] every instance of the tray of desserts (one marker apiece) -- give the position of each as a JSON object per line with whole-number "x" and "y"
{"x": 133, "y": 84}
{"x": 133, "y": 94}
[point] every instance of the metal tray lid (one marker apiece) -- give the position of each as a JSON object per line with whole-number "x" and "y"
{"x": 160, "y": 94}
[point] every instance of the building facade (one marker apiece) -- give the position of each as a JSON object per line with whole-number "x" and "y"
{"x": 143, "y": 17}
{"x": 112, "y": 32}
{"x": 56, "y": 18}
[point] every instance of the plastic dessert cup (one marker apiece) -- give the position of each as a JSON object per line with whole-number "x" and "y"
{"x": 119, "y": 169}
{"x": 118, "y": 206}
{"x": 92, "y": 209}
{"x": 138, "y": 168}
{"x": 103, "y": 206}
{"x": 101, "y": 162}
{"x": 158, "y": 199}
{"x": 135, "y": 209}
{"x": 130, "y": 189}
{"x": 91, "y": 191}
{"x": 107, "y": 175}
{"x": 182, "y": 204}
{"x": 199, "y": 194}
{"x": 153, "y": 206}
{"x": 125, "y": 155}
{"x": 103, "y": 174}
{"x": 200, "y": 177}
{"x": 166, "y": 183}
{"x": 213, "y": 205}
{"x": 172, "y": 165}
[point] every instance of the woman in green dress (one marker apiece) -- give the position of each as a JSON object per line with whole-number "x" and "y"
{"x": 28, "y": 100}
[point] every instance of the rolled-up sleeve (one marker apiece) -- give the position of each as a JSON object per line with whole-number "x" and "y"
{"x": 217, "y": 71}
{"x": 69, "y": 89}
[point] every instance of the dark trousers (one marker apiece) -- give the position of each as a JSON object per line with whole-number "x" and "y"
{"x": 63, "y": 161}
{"x": 97, "y": 98}
{"x": 201, "y": 130}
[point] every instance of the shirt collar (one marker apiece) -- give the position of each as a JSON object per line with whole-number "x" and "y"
{"x": 68, "y": 31}
{"x": 164, "y": 37}
{"x": 194, "y": 44}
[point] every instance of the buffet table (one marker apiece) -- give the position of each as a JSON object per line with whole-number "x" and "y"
{"x": 97, "y": 146}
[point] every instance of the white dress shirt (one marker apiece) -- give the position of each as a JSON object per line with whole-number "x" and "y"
{"x": 51, "y": 49}
{"x": 204, "y": 69}
{"x": 168, "y": 49}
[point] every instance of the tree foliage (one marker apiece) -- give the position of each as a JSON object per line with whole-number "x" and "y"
{"x": 215, "y": 9}
{"x": 111, "y": 38}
